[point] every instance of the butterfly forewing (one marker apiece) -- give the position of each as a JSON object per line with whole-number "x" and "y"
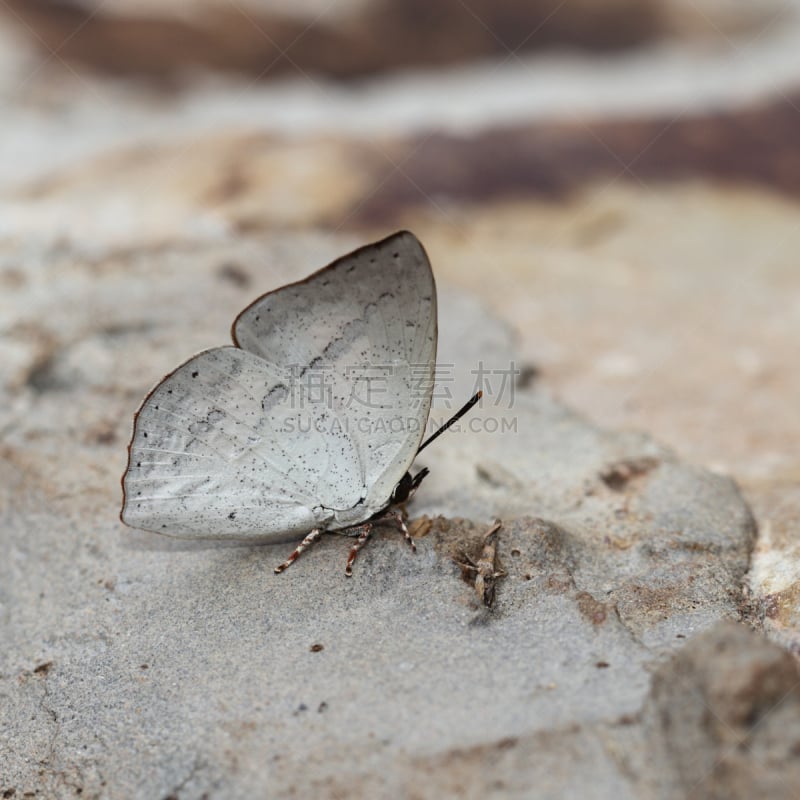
{"x": 360, "y": 336}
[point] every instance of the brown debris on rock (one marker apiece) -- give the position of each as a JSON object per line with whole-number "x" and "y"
{"x": 483, "y": 570}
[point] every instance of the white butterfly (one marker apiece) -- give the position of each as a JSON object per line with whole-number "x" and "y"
{"x": 309, "y": 423}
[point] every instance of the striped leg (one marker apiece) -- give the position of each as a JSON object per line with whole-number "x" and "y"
{"x": 397, "y": 518}
{"x": 366, "y": 532}
{"x": 304, "y": 545}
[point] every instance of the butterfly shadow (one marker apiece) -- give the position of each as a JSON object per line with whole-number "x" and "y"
{"x": 146, "y": 541}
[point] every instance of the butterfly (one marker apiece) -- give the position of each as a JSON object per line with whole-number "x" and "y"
{"x": 307, "y": 424}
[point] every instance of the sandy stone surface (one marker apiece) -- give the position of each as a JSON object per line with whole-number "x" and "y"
{"x": 139, "y": 666}
{"x": 724, "y": 713}
{"x": 623, "y": 276}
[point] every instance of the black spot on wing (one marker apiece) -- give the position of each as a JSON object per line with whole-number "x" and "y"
{"x": 276, "y": 395}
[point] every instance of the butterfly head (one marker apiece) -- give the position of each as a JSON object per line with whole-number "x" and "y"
{"x": 405, "y": 489}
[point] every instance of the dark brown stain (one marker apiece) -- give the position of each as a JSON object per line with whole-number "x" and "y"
{"x": 558, "y": 583}
{"x": 43, "y": 669}
{"x": 772, "y": 606}
{"x": 43, "y": 375}
{"x": 103, "y": 433}
{"x": 316, "y": 648}
{"x": 591, "y": 609}
{"x": 620, "y": 474}
{"x": 508, "y": 742}
{"x": 552, "y": 161}
{"x": 386, "y": 35}
{"x": 234, "y": 274}
{"x": 528, "y": 373}
{"x": 495, "y": 476}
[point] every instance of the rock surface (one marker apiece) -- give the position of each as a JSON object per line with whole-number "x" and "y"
{"x": 155, "y": 667}
{"x": 725, "y": 714}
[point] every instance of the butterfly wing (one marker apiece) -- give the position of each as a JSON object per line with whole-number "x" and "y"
{"x": 361, "y": 333}
{"x": 210, "y": 458}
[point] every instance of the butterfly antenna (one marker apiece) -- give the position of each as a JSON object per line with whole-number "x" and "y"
{"x": 455, "y": 418}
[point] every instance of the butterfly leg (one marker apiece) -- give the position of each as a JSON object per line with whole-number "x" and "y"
{"x": 366, "y": 532}
{"x": 397, "y": 517}
{"x": 304, "y": 545}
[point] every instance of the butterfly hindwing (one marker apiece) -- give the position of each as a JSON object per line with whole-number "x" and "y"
{"x": 205, "y": 460}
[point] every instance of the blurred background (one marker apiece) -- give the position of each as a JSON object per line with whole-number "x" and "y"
{"x": 616, "y": 180}
{"x": 80, "y": 79}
